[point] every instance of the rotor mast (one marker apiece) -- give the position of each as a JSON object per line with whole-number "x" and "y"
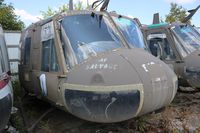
{"x": 71, "y": 5}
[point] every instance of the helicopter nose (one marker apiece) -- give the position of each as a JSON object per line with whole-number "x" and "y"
{"x": 118, "y": 86}
{"x": 192, "y": 75}
{"x": 192, "y": 69}
{"x": 104, "y": 89}
{"x": 159, "y": 81}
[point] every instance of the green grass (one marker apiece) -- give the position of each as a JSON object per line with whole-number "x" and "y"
{"x": 17, "y": 118}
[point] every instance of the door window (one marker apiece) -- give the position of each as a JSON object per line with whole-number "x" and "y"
{"x": 27, "y": 50}
{"x": 49, "y": 59}
{"x": 160, "y": 46}
{"x": 131, "y": 32}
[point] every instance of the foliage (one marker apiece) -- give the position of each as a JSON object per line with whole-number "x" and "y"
{"x": 177, "y": 13}
{"x": 49, "y": 12}
{"x": 8, "y": 19}
{"x": 63, "y": 8}
{"x": 45, "y": 127}
{"x": 79, "y": 6}
{"x": 16, "y": 89}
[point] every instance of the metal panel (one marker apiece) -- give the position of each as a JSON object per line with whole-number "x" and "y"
{"x": 14, "y": 67}
{"x": 12, "y": 39}
{"x": 13, "y": 53}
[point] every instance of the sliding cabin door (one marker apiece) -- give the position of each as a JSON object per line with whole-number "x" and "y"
{"x": 45, "y": 63}
{"x": 25, "y": 68}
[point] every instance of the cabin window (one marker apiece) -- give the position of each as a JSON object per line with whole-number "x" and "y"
{"x": 131, "y": 32}
{"x": 160, "y": 46}
{"x": 49, "y": 59}
{"x": 27, "y": 50}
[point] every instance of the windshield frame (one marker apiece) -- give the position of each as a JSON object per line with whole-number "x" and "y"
{"x": 182, "y": 43}
{"x": 87, "y": 12}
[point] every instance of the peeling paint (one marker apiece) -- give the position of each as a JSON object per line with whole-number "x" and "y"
{"x": 103, "y": 60}
{"x": 101, "y": 66}
{"x": 146, "y": 65}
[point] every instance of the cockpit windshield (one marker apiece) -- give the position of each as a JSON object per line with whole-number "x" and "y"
{"x": 131, "y": 32}
{"x": 198, "y": 30}
{"x": 88, "y": 35}
{"x": 189, "y": 38}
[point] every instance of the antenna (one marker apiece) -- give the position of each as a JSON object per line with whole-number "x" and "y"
{"x": 156, "y": 18}
{"x": 138, "y": 22}
{"x": 103, "y": 7}
{"x": 71, "y": 5}
{"x": 191, "y": 14}
{"x": 93, "y": 4}
{"x": 88, "y": 3}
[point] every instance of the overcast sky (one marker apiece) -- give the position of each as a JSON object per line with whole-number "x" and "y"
{"x": 30, "y": 10}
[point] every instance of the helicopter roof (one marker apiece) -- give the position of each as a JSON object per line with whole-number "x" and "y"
{"x": 152, "y": 26}
{"x": 60, "y": 15}
{"x": 161, "y": 25}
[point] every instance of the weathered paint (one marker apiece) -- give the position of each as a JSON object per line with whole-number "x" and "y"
{"x": 123, "y": 73}
{"x": 181, "y": 63}
{"x": 12, "y": 39}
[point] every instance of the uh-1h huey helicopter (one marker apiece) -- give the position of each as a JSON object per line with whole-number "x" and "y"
{"x": 6, "y": 93}
{"x": 177, "y": 44}
{"x": 80, "y": 62}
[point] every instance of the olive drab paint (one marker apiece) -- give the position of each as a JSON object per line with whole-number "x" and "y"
{"x": 185, "y": 64}
{"x": 109, "y": 86}
{"x": 181, "y": 43}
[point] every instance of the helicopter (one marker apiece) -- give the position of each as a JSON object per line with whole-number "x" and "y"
{"x": 81, "y": 63}
{"x": 6, "y": 92}
{"x": 178, "y": 45}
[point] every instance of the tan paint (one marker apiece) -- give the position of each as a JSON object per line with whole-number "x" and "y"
{"x": 57, "y": 82}
{"x": 59, "y": 50}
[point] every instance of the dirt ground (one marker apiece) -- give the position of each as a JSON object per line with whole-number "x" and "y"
{"x": 183, "y": 115}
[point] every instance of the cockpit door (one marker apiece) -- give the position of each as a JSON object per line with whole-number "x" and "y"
{"x": 162, "y": 46}
{"x": 25, "y": 69}
{"x": 48, "y": 75}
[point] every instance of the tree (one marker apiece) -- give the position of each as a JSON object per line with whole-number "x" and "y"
{"x": 177, "y": 13}
{"x": 50, "y": 12}
{"x": 8, "y": 19}
{"x": 63, "y": 8}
